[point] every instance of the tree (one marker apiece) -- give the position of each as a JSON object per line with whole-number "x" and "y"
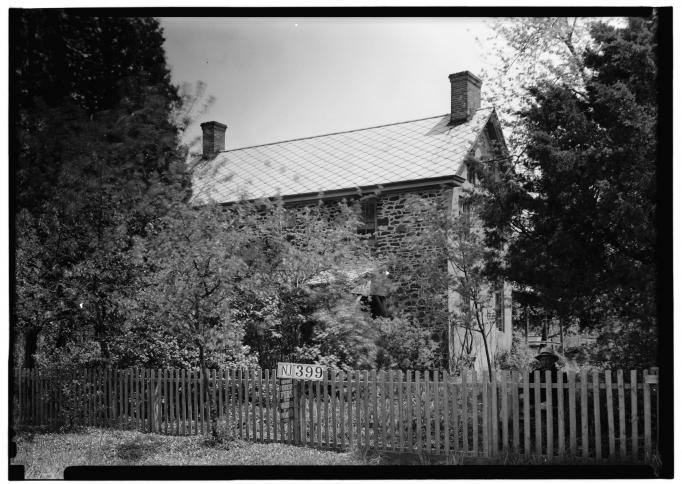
{"x": 456, "y": 265}
{"x": 197, "y": 263}
{"x": 256, "y": 283}
{"x": 97, "y": 160}
{"x": 523, "y": 51}
{"x": 577, "y": 216}
{"x": 304, "y": 264}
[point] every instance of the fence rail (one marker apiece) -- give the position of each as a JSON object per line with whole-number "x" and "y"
{"x": 609, "y": 415}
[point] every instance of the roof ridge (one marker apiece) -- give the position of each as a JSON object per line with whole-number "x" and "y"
{"x": 340, "y": 132}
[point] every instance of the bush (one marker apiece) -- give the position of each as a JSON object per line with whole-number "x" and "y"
{"x": 518, "y": 358}
{"x": 404, "y": 345}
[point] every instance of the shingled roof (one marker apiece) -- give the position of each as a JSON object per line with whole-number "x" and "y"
{"x": 409, "y": 151}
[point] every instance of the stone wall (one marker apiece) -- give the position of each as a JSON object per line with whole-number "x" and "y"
{"x": 399, "y": 236}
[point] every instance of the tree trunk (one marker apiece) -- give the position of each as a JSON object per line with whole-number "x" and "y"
{"x": 209, "y": 394}
{"x": 481, "y": 328}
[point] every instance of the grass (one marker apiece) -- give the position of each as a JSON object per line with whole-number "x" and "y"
{"x": 45, "y": 455}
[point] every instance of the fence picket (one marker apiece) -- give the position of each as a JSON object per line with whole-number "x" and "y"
{"x": 86, "y": 396}
{"x": 333, "y": 409}
{"x": 157, "y": 391}
{"x": 572, "y": 444}
{"x": 203, "y": 394}
{"x": 142, "y": 402}
{"x": 621, "y": 414}
{"x": 318, "y": 412}
{"x": 633, "y": 413}
{"x": 646, "y": 400}
{"x": 39, "y": 397}
{"x": 426, "y": 401}
{"x": 108, "y": 396}
{"x": 446, "y": 414}
{"x": 171, "y": 403}
{"x": 253, "y": 395}
{"x": 494, "y": 416}
{"x": 349, "y": 408}
{"x": 609, "y": 414}
{"x": 583, "y": 412}
{"x": 234, "y": 411}
{"x": 526, "y": 414}
{"x": 437, "y": 412}
{"x": 358, "y": 398}
{"x": 560, "y": 416}
{"x": 268, "y": 401}
{"x": 504, "y": 398}
{"x": 474, "y": 411}
{"x": 123, "y": 397}
{"x": 141, "y": 395}
{"x": 325, "y": 420}
{"x": 375, "y": 408}
{"x": 515, "y": 410}
{"x": 261, "y": 398}
{"x": 486, "y": 415}
{"x": 342, "y": 413}
{"x": 184, "y": 402}
{"x": 311, "y": 410}
{"x": 134, "y": 420}
{"x": 465, "y": 411}
{"x": 418, "y": 409}
{"x": 365, "y": 400}
{"x": 548, "y": 410}
{"x": 408, "y": 408}
{"x": 244, "y": 430}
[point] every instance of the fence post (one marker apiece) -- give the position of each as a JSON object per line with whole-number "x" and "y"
{"x": 646, "y": 395}
{"x": 296, "y": 416}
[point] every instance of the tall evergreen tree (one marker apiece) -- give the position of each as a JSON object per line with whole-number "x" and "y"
{"x": 577, "y": 214}
{"x": 96, "y": 162}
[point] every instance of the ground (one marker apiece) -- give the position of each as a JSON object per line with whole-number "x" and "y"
{"x": 45, "y": 455}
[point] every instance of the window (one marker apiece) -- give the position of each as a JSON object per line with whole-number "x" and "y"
{"x": 465, "y": 209}
{"x": 471, "y": 174}
{"x": 368, "y": 216}
{"x": 376, "y": 305}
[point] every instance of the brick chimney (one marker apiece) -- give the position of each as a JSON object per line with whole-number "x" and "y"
{"x": 213, "y": 136}
{"x": 465, "y": 96}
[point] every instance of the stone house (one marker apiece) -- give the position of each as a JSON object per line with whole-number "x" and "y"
{"x": 380, "y": 165}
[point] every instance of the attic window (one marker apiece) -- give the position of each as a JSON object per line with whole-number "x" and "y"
{"x": 368, "y": 216}
{"x": 471, "y": 174}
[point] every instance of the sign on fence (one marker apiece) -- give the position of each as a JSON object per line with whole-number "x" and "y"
{"x": 300, "y": 371}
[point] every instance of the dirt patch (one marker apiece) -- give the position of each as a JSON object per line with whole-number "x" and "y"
{"x": 137, "y": 449}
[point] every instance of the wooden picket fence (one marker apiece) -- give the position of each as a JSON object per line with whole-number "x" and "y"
{"x": 602, "y": 416}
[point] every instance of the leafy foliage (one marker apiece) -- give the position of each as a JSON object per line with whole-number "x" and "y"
{"x": 576, "y": 216}
{"x": 97, "y": 162}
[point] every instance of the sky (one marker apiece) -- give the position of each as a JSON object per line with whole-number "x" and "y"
{"x": 275, "y": 79}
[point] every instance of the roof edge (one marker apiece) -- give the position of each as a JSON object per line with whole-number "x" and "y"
{"x": 423, "y": 183}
